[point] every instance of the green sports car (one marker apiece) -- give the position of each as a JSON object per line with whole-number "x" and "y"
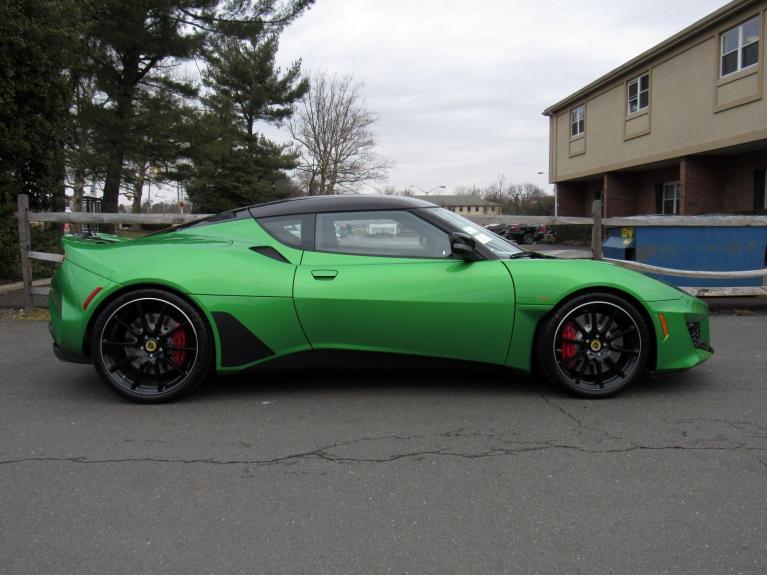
{"x": 363, "y": 273}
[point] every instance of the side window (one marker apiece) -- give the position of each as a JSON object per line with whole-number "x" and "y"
{"x": 295, "y": 231}
{"x": 577, "y": 120}
{"x": 380, "y": 233}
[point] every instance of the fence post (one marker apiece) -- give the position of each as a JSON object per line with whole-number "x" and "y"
{"x": 24, "y": 247}
{"x": 596, "y": 230}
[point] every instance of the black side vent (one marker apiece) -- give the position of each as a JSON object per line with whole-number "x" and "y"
{"x": 693, "y": 327}
{"x": 270, "y": 252}
{"x": 239, "y": 345}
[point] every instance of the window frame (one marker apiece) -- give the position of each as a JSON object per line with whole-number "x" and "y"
{"x": 760, "y": 189}
{"x": 426, "y": 222}
{"x": 739, "y": 49}
{"x": 764, "y": 190}
{"x": 637, "y": 80}
{"x": 579, "y": 122}
{"x": 676, "y": 200}
{"x": 307, "y": 230}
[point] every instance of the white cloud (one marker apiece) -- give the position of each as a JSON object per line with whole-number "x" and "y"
{"x": 459, "y": 87}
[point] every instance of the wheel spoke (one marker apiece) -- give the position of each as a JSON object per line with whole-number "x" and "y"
{"x": 594, "y": 325}
{"x": 136, "y": 383}
{"x": 122, "y": 363}
{"x": 572, "y": 341}
{"x": 157, "y": 377}
{"x": 142, "y": 317}
{"x": 598, "y": 373}
{"x": 626, "y": 331}
{"x": 179, "y": 348}
{"x": 620, "y": 349}
{"x": 615, "y": 367}
{"x": 119, "y": 343}
{"x": 576, "y": 355}
{"x": 580, "y": 328}
{"x": 609, "y": 323}
{"x": 126, "y": 326}
{"x": 174, "y": 365}
{"x": 160, "y": 319}
{"x": 174, "y": 329}
{"x": 578, "y": 372}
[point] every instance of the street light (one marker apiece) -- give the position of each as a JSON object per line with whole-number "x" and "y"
{"x": 424, "y": 191}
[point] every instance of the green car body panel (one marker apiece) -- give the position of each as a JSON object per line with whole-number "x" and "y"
{"x": 483, "y": 311}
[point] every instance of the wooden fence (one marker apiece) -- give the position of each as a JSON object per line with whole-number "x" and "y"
{"x": 597, "y": 223}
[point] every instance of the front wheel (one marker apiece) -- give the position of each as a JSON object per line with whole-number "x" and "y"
{"x": 528, "y": 238}
{"x": 151, "y": 346}
{"x": 594, "y": 345}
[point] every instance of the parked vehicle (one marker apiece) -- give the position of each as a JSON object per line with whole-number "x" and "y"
{"x": 156, "y": 314}
{"x": 519, "y": 233}
{"x": 546, "y": 234}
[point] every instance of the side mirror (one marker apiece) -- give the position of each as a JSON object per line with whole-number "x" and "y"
{"x": 464, "y": 247}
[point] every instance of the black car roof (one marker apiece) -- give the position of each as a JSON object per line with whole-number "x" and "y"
{"x": 348, "y": 203}
{"x": 309, "y": 205}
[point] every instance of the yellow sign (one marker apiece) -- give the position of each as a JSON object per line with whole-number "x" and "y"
{"x": 627, "y": 234}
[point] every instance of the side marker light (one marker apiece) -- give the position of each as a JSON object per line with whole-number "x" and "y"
{"x": 663, "y": 325}
{"x": 88, "y": 300}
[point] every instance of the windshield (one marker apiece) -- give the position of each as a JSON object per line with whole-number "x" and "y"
{"x": 501, "y": 247}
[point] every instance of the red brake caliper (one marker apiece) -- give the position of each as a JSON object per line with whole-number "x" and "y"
{"x": 179, "y": 340}
{"x": 569, "y": 349}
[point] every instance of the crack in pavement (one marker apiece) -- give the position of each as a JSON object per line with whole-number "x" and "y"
{"x": 508, "y": 446}
{"x": 581, "y": 426}
{"x": 322, "y": 454}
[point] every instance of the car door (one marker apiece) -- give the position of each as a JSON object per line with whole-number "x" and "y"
{"x": 385, "y": 281}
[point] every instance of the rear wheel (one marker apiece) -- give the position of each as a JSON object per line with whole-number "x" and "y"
{"x": 595, "y": 345}
{"x": 151, "y": 346}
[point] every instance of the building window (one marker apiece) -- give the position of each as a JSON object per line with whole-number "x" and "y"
{"x": 639, "y": 93}
{"x": 577, "y": 120}
{"x": 670, "y": 203}
{"x": 740, "y": 47}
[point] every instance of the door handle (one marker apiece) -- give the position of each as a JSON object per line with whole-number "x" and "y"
{"x": 324, "y": 274}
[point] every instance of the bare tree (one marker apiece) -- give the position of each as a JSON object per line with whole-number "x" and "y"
{"x": 497, "y": 192}
{"x": 336, "y": 144}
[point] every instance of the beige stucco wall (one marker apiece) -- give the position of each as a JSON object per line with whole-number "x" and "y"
{"x": 691, "y": 110}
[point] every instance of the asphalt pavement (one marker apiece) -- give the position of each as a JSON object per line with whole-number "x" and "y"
{"x": 385, "y": 471}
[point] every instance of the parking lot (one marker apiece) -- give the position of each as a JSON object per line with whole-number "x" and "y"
{"x": 385, "y": 471}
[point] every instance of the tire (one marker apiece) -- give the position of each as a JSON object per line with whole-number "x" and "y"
{"x": 151, "y": 346}
{"x": 528, "y": 238}
{"x": 594, "y": 345}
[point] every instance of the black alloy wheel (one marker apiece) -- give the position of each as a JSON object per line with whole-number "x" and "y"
{"x": 151, "y": 346}
{"x": 528, "y": 238}
{"x": 595, "y": 345}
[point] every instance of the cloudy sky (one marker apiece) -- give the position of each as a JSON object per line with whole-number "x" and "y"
{"x": 459, "y": 87}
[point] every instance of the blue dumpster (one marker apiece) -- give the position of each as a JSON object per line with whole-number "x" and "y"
{"x": 693, "y": 248}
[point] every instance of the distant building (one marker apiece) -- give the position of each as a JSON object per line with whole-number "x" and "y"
{"x": 680, "y": 129}
{"x": 464, "y": 205}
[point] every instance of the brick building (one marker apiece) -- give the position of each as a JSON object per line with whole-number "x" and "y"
{"x": 680, "y": 129}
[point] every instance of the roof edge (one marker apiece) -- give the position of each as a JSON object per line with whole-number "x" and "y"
{"x": 707, "y": 21}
